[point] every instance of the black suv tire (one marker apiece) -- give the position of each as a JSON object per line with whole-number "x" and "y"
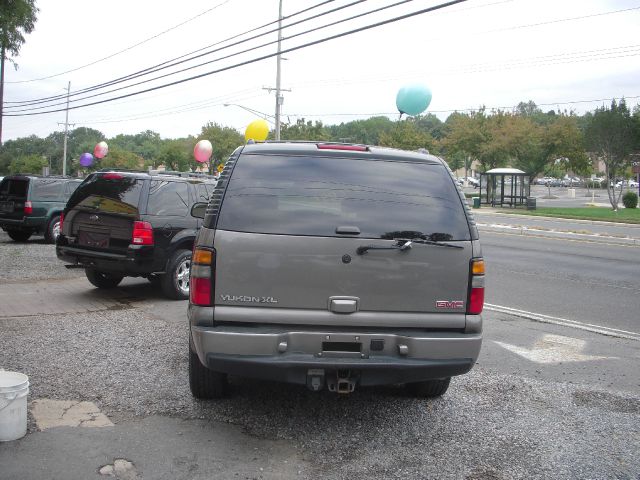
{"x": 429, "y": 388}
{"x": 19, "y": 235}
{"x": 53, "y": 229}
{"x": 102, "y": 279}
{"x": 205, "y": 384}
{"x": 175, "y": 282}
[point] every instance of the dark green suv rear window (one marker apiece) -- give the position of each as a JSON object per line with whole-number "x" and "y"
{"x": 314, "y": 196}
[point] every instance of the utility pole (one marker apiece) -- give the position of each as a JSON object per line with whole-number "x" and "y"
{"x": 1, "y": 89}
{"x": 66, "y": 129}
{"x": 278, "y": 89}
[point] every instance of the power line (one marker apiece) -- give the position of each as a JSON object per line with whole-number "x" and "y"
{"x": 227, "y": 56}
{"x": 164, "y": 65}
{"x": 125, "y": 49}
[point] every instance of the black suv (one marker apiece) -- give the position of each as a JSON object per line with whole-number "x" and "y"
{"x": 136, "y": 224}
{"x": 32, "y": 204}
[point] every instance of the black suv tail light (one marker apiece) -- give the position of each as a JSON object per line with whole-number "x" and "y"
{"x": 201, "y": 284}
{"x": 28, "y": 208}
{"x": 142, "y": 233}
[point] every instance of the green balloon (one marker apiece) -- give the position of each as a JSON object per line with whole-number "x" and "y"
{"x": 413, "y": 99}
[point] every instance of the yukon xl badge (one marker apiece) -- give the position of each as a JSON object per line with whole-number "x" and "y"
{"x": 247, "y": 299}
{"x": 449, "y": 304}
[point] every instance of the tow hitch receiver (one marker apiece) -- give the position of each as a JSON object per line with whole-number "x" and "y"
{"x": 343, "y": 382}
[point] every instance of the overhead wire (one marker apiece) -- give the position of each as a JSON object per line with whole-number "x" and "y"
{"x": 124, "y": 49}
{"x": 163, "y": 65}
{"x": 306, "y": 32}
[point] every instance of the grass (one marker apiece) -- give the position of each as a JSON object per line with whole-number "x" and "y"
{"x": 624, "y": 215}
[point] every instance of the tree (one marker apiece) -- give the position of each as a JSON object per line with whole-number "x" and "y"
{"x": 16, "y": 17}
{"x": 407, "y": 136}
{"x": 224, "y": 141}
{"x": 28, "y": 164}
{"x": 175, "y": 156}
{"x": 464, "y": 137}
{"x": 610, "y": 134}
{"x": 302, "y": 130}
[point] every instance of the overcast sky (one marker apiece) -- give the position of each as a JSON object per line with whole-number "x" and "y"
{"x": 480, "y": 52}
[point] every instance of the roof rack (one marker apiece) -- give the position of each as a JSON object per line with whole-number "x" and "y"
{"x": 181, "y": 174}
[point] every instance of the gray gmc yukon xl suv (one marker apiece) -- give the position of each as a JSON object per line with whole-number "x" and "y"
{"x": 333, "y": 266}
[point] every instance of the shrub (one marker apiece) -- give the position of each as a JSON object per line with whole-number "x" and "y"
{"x": 630, "y": 199}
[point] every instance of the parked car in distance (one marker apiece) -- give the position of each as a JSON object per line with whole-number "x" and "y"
{"x": 32, "y": 204}
{"x": 368, "y": 282}
{"x": 134, "y": 224}
{"x": 627, "y": 184}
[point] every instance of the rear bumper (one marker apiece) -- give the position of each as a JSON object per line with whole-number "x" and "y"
{"x": 381, "y": 356}
{"x": 26, "y": 223}
{"x": 137, "y": 261}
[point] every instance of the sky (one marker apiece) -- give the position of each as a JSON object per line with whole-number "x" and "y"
{"x": 561, "y": 54}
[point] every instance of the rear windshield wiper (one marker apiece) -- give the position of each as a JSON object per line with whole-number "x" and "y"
{"x": 426, "y": 242}
{"x": 402, "y": 245}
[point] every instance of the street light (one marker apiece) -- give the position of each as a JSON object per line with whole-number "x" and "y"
{"x": 251, "y": 110}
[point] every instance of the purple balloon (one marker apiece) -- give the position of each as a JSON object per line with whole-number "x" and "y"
{"x": 86, "y": 159}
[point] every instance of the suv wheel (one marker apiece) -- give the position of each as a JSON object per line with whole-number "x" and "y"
{"x": 204, "y": 383}
{"x": 19, "y": 235}
{"x": 429, "y": 388}
{"x": 102, "y": 279}
{"x": 175, "y": 283}
{"x": 53, "y": 229}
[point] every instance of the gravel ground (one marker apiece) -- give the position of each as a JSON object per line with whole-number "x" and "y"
{"x": 487, "y": 426}
{"x": 133, "y": 363}
{"x": 18, "y": 260}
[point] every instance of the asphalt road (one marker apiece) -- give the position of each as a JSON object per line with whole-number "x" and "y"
{"x": 544, "y": 400}
{"x": 584, "y": 281}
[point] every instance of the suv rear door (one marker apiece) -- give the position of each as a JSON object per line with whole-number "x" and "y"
{"x": 14, "y": 192}
{"x": 101, "y": 212}
{"x": 290, "y": 228}
{"x": 167, "y": 210}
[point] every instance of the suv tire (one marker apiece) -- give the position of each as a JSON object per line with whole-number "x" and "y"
{"x": 429, "y": 388}
{"x": 53, "y": 229}
{"x": 205, "y": 384}
{"x": 175, "y": 282}
{"x": 102, "y": 279}
{"x": 19, "y": 235}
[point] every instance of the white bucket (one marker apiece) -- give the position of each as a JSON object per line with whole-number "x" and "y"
{"x": 14, "y": 388}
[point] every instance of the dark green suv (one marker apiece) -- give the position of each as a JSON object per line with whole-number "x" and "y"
{"x": 32, "y": 204}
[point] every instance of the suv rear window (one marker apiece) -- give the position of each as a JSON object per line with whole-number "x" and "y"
{"x": 123, "y": 188}
{"x": 313, "y": 196}
{"x": 14, "y": 187}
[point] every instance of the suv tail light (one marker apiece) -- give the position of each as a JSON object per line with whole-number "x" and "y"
{"x": 28, "y": 208}
{"x": 476, "y": 292}
{"x": 202, "y": 284}
{"x": 142, "y": 233}
{"x": 61, "y": 221}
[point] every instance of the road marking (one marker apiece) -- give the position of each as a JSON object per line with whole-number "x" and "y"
{"x": 635, "y": 244}
{"x": 67, "y": 413}
{"x": 554, "y": 349}
{"x": 565, "y": 322}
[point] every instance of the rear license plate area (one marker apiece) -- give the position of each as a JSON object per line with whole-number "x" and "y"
{"x": 342, "y": 349}
{"x": 93, "y": 239}
{"x": 6, "y": 207}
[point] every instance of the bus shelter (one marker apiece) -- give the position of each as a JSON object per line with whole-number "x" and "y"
{"x": 500, "y": 187}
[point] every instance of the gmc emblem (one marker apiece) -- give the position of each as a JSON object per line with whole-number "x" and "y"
{"x": 449, "y": 304}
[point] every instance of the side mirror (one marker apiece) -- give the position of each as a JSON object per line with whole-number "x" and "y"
{"x": 199, "y": 209}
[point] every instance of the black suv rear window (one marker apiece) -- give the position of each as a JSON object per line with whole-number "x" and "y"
{"x": 314, "y": 196}
{"x": 97, "y": 187}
